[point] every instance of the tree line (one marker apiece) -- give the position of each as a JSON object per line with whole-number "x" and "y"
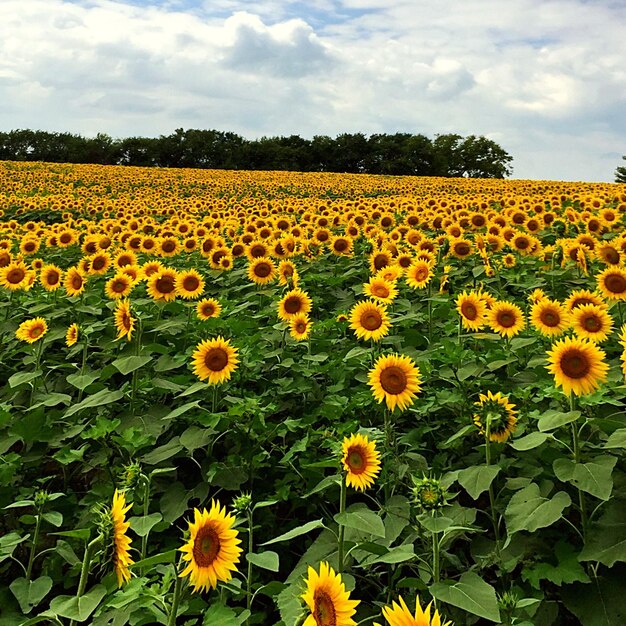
{"x": 395, "y": 154}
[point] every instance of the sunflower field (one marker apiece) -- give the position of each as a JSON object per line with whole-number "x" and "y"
{"x": 232, "y": 397}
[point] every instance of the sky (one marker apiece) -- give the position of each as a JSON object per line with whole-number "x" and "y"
{"x": 545, "y": 79}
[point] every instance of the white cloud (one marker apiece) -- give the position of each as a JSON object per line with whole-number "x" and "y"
{"x": 544, "y": 78}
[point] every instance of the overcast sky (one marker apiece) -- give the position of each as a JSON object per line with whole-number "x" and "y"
{"x": 546, "y": 79}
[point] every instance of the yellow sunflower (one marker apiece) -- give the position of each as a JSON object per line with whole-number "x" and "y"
{"x": 189, "y": 284}
{"x": 418, "y": 274}
{"x": 74, "y": 282}
{"x": 208, "y": 308}
{"x": 400, "y": 615}
{"x": 461, "y": 248}
{"x": 380, "y": 289}
{"x": 496, "y": 413}
{"x": 51, "y": 277}
{"x": 124, "y": 320}
{"x": 506, "y": 319}
{"x": 577, "y": 365}
{"x": 121, "y": 543}
{"x": 327, "y": 598}
{"x": 583, "y": 296}
{"x": 119, "y": 286}
{"x": 592, "y": 322}
{"x": 212, "y": 550}
{"x": 361, "y": 461}
{"x": 395, "y": 379}
{"x": 536, "y": 296}
{"x": 99, "y": 263}
{"x": 341, "y": 246}
{"x": 261, "y": 270}
{"x": 214, "y": 360}
{"x": 162, "y": 285}
{"x": 369, "y": 320}
{"x": 14, "y": 275}
{"x": 472, "y": 309}
{"x": 622, "y": 343}
{"x": 32, "y": 330}
{"x": 294, "y": 302}
{"x": 287, "y": 274}
{"x": 549, "y": 317}
{"x": 300, "y": 327}
{"x": 612, "y": 283}
{"x": 71, "y": 335}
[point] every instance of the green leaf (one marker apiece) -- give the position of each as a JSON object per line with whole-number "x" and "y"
{"x": 529, "y": 510}
{"x": 78, "y": 609}
{"x": 471, "y": 593}
{"x": 555, "y": 419}
{"x": 142, "y": 525}
{"x": 52, "y": 399}
{"x": 434, "y": 524}
{"x": 265, "y": 560}
{"x": 296, "y": 532}
{"x": 129, "y": 364}
{"x": 78, "y": 533}
{"x": 19, "y": 504}
{"x": 181, "y": 410}
{"x": 105, "y": 396}
{"x": 399, "y": 554}
{"x": 30, "y": 593}
{"x": 166, "y": 451}
{"x": 594, "y": 477}
{"x": 157, "y": 559}
{"x": 53, "y": 517}
{"x": 606, "y": 539}
{"x": 477, "y": 479}
{"x": 617, "y": 439}
{"x": 220, "y": 614}
{"x": 82, "y": 382}
{"x": 533, "y": 440}
{"x": 23, "y": 377}
{"x": 363, "y": 520}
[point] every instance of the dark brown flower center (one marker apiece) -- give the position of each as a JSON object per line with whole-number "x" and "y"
{"x": 77, "y": 282}
{"x": 52, "y": 277}
{"x": 16, "y": 276}
{"x": 592, "y": 323}
{"x": 615, "y": 283}
{"x": 262, "y": 270}
{"x": 206, "y": 547}
{"x": 191, "y": 283}
{"x": 574, "y": 363}
{"x": 356, "y": 460}
{"x": 324, "y": 612}
{"x": 165, "y": 284}
{"x": 293, "y": 304}
{"x": 257, "y": 251}
{"x": 216, "y": 359}
{"x": 340, "y": 245}
{"x": 462, "y": 249}
{"x": 506, "y": 319}
{"x": 372, "y": 320}
{"x": 119, "y": 286}
{"x": 380, "y": 261}
{"x": 208, "y": 309}
{"x": 393, "y": 380}
{"x": 550, "y": 318}
{"x": 380, "y": 290}
{"x": 469, "y": 311}
{"x": 168, "y": 246}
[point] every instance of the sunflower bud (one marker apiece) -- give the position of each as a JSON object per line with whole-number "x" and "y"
{"x": 130, "y": 477}
{"x": 242, "y": 503}
{"x": 41, "y": 497}
{"x": 428, "y": 493}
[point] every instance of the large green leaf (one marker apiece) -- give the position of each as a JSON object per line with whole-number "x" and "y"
{"x": 617, "y": 439}
{"x": 530, "y": 441}
{"x": 471, "y": 593}
{"x": 29, "y": 593}
{"x": 606, "y": 539}
{"x": 78, "y": 609}
{"x": 265, "y": 560}
{"x": 555, "y": 419}
{"x": 129, "y": 364}
{"x": 144, "y": 524}
{"x": 477, "y": 479}
{"x": 593, "y": 477}
{"x": 529, "y": 510}
{"x": 105, "y": 396}
{"x": 296, "y": 532}
{"x": 363, "y": 520}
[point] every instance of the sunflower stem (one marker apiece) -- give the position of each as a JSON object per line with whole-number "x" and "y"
{"x": 430, "y": 315}
{"x": 33, "y": 548}
{"x": 576, "y": 456}
{"x": 84, "y": 570}
{"x": 250, "y": 551}
{"x": 436, "y": 550}
{"x": 82, "y": 367}
{"x": 135, "y": 379}
{"x": 38, "y": 352}
{"x": 171, "y": 620}
{"x": 492, "y": 499}
{"x": 189, "y": 309}
{"x": 146, "y": 508}
{"x": 342, "y": 528}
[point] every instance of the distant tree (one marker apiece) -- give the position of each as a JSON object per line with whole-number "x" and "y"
{"x": 620, "y": 173}
{"x": 474, "y": 157}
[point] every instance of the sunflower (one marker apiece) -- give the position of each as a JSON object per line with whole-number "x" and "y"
{"x": 461, "y": 248}
{"x": 536, "y": 296}
{"x": 380, "y": 289}
{"x": 400, "y": 615}
{"x": 207, "y": 308}
{"x": 189, "y": 284}
{"x": 612, "y": 283}
{"x": 300, "y": 327}
{"x": 213, "y": 548}
{"x": 119, "y": 286}
{"x": 472, "y": 309}
{"x": 391, "y": 273}
{"x": 327, "y": 598}
{"x": 506, "y": 319}
{"x": 341, "y": 246}
{"x": 577, "y": 365}
{"x": 151, "y": 267}
{"x": 168, "y": 246}
{"x": 124, "y": 320}
{"x": 261, "y": 270}
{"x": 369, "y": 320}
{"x": 71, "y": 335}
{"x": 396, "y": 379}
{"x": 622, "y": 343}
{"x": 418, "y": 274}
{"x": 32, "y": 330}
{"x": 162, "y": 285}
{"x": 13, "y": 276}
{"x": 74, "y": 282}
{"x": 509, "y": 260}
{"x": 99, "y": 263}
{"x": 549, "y": 317}
{"x": 361, "y": 461}
{"x": 583, "y": 296}
{"x": 592, "y": 322}
{"x": 496, "y": 414}
{"x": 294, "y": 302}
{"x": 287, "y": 274}
{"x": 121, "y": 543}
{"x": 214, "y": 360}
{"x": 51, "y": 277}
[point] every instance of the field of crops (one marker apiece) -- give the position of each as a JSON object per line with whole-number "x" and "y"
{"x": 278, "y": 398}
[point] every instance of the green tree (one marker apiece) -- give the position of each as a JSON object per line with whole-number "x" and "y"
{"x": 620, "y": 173}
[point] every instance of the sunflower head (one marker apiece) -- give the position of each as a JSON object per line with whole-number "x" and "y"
{"x": 369, "y": 320}
{"x": 495, "y": 415}
{"x": 32, "y": 330}
{"x": 361, "y": 461}
{"x": 120, "y": 541}
{"x": 428, "y": 493}
{"x": 71, "y": 335}
{"x": 214, "y": 360}
{"x": 399, "y": 614}
{"x": 300, "y": 327}
{"x": 396, "y": 380}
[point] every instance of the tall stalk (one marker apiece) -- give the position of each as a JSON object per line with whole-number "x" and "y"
{"x": 342, "y": 528}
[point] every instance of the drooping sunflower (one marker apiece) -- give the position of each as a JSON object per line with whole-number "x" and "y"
{"x": 536, "y": 296}
{"x": 369, "y": 320}
{"x": 212, "y": 551}
{"x": 592, "y": 322}
{"x": 612, "y": 283}
{"x": 189, "y": 284}
{"x": 398, "y": 614}
{"x": 549, "y": 317}
{"x": 13, "y": 276}
{"x": 327, "y": 598}
{"x": 162, "y": 285}
{"x": 119, "y": 286}
{"x": 287, "y": 274}
{"x": 578, "y": 365}
{"x": 51, "y": 277}
{"x": 208, "y": 308}
{"x": 472, "y": 309}
{"x": 124, "y": 320}
{"x": 391, "y": 273}
{"x": 292, "y": 303}
{"x": 418, "y": 274}
{"x": 32, "y": 330}
{"x": 380, "y": 289}
{"x": 74, "y": 282}
{"x": 261, "y": 270}
{"x": 361, "y": 461}
{"x": 71, "y": 335}
{"x": 395, "y": 379}
{"x": 214, "y": 360}
{"x": 497, "y": 414}
{"x": 300, "y": 327}
{"x": 121, "y": 542}
{"x": 506, "y": 319}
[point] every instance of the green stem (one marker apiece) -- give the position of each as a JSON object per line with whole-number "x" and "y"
{"x": 146, "y": 508}
{"x": 576, "y": 456}
{"x": 430, "y": 315}
{"x": 390, "y": 449}
{"x": 37, "y": 362}
{"x": 83, "y": 365}
{"x": 342, "y": 528}
{"x": 190, "y": 308}
{"x": 436, "y": 560}
{"x": 250, "y": 550}
{"x": 171, "y": 621}
{"x": 33, "y": 548}
{"x": 135, "y": 379}
{"x": 492, "y": 499}
{"x": 84, "y": 571}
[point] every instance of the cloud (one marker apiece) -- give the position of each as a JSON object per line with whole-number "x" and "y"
{"x": 544, "y": 78}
